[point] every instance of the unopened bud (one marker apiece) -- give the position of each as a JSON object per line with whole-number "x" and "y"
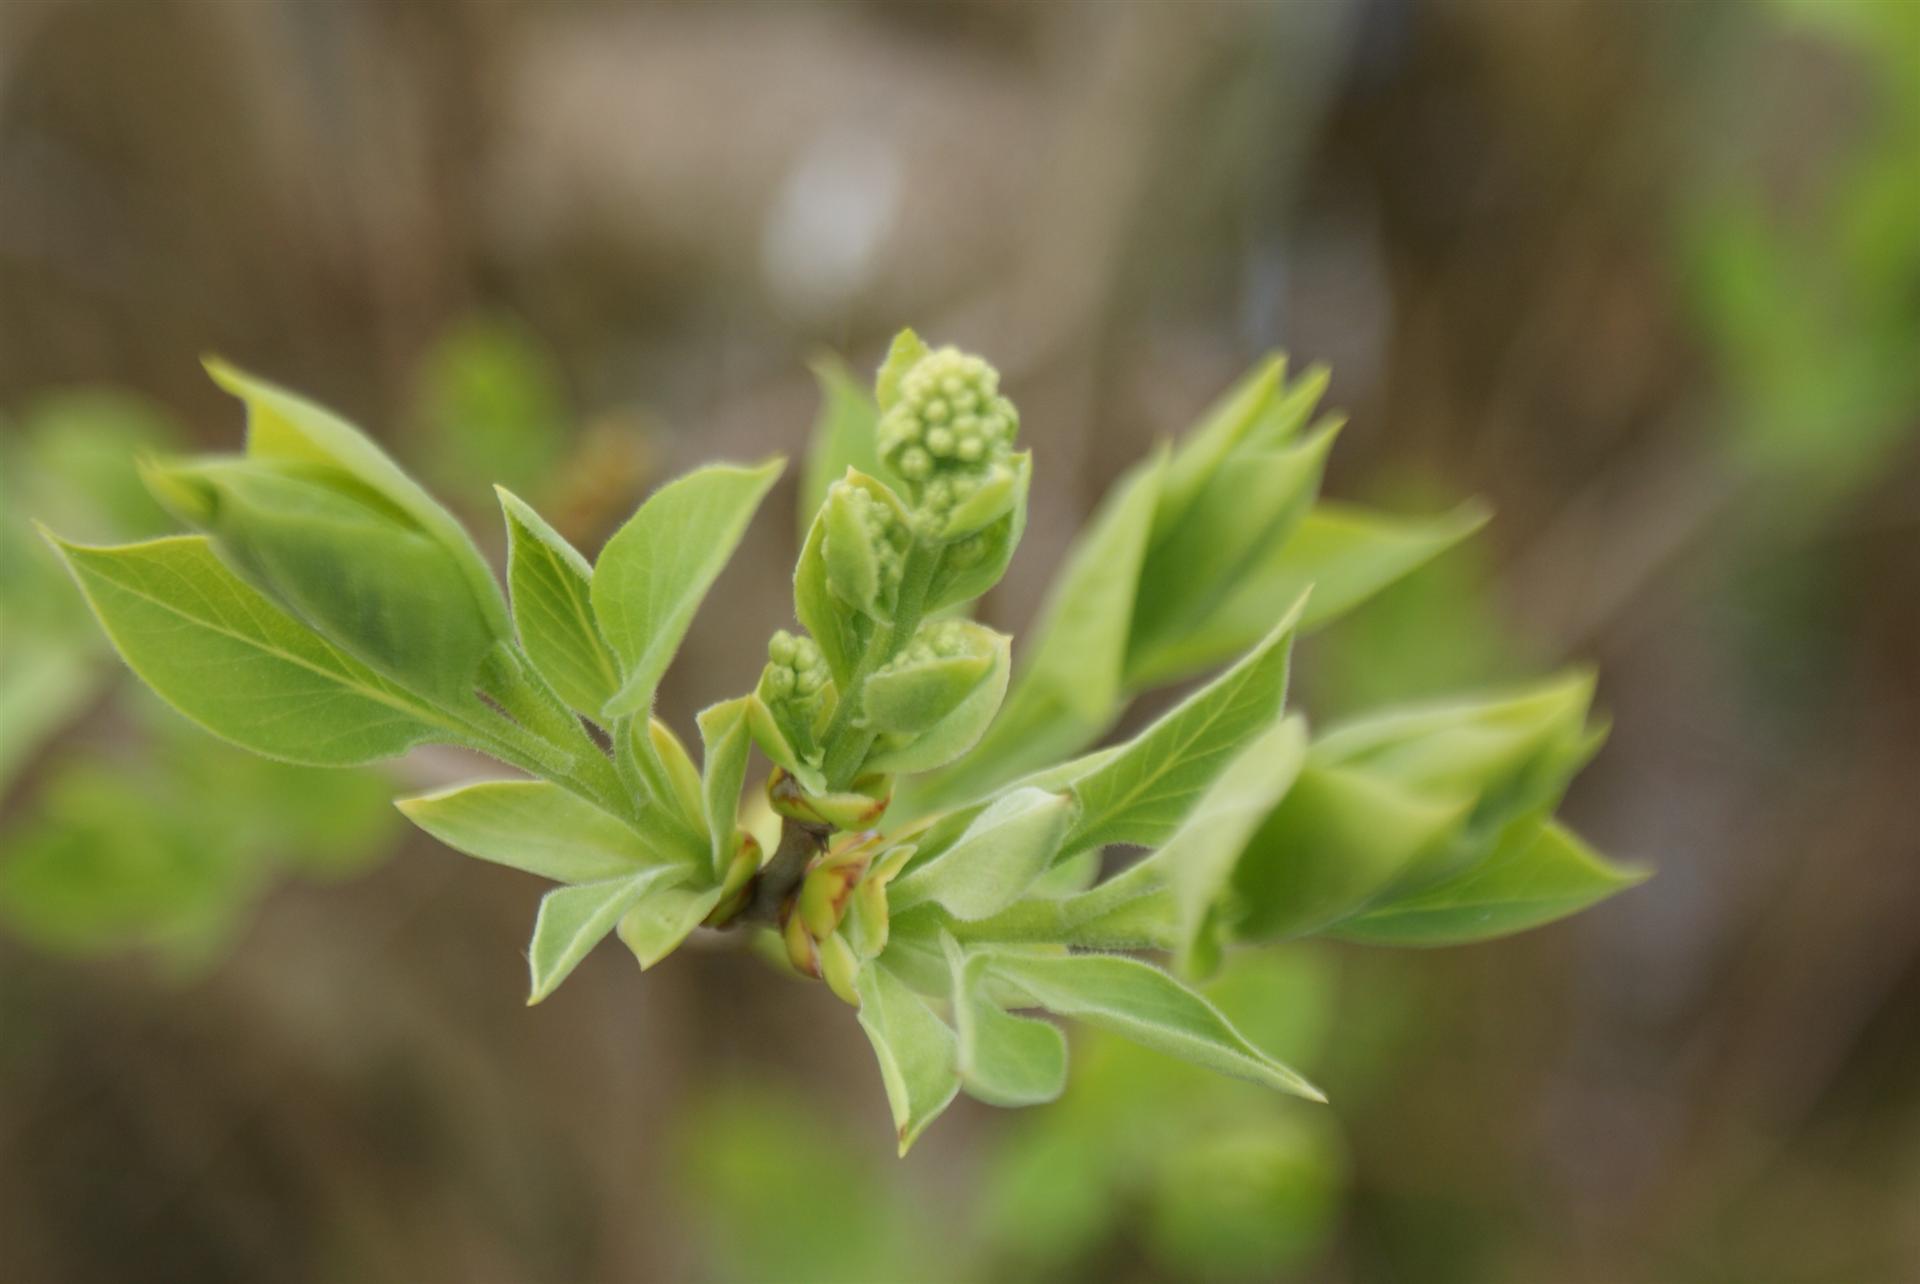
{"x": 840, "y": 968}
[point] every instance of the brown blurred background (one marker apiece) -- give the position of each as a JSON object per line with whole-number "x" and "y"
{"x": 1646, "y": 277}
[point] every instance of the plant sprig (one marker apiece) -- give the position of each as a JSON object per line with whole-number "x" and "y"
{"x": 942, "y": 810}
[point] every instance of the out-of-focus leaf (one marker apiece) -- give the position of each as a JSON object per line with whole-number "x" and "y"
{"x": 1342, "y": 553}
{"x": 285, "y": 427}
{"x": 536, "y": 826}
{"x": 236, "y": 663}
{"x": 656, "y": 568}
{"x": 843, "y": 437}
{"x": 1540, "y": 872}
{"x": 915, "y": 1049}
{"x": 552, "y": 587}
{"x": 491, "y": 402}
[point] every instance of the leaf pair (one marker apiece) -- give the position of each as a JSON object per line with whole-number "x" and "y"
{"x": 1010, "y": 1060}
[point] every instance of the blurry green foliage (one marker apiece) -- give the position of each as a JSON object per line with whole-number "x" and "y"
{"x": 489, "y": 406}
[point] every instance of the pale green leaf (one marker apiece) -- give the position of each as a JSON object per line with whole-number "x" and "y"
{"x": 1538, "y": 873}
{"x": 656, "y": 568}
{"x": 284, "y": 426}
{"x": 1138, "y": 1001}
{"x": 1141, "y": 793}
{"x": 1205, "y": 447}
{"x": 552, "y": 587}
{"x": 956, "y": 731}
{"x": 342, "y": 559}
{"x": 536, "y": 826}
{"x": 843, "y": 437}
{"x": 663, "y": 919}
{"x": 725, "y": 739}
{"x": 1002, "y": 1059}
{"x": 572, "y": 920}
{"x": 1342, "y": 553}
{"x": 903, "y": 354}
{"x": 239, "y": 665}
{"x": 995, "y": 860}
{"x": 915, "y": 1049}
{"x": 1199, "y": 858}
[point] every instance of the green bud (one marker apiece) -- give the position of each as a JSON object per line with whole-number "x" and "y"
{"x": 856, "y": 809}
{"x": 839, "y": 968}
{"x": 802, "y": 951}
{"x": 736, "y": 886}
{"x": 797, "y": 690}
{"x": 866, "y": 536}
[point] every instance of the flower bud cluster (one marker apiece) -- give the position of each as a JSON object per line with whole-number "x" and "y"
{"x": 950, "y": 429}
{"x": 935, "y": 640}
{"x": 797, "y": 688}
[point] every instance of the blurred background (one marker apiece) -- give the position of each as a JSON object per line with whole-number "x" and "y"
{"x": 1645, "y": 277}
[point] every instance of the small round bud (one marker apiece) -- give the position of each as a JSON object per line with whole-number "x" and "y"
{"x": 780, "y": 648}
{"x": 915, "y": 464}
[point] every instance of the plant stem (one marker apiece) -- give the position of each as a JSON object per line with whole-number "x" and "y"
{"x": 799, "y": 844}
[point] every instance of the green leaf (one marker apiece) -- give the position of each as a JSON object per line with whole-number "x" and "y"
{"x": 1205, "y": 447}
{"x": 1245, "y": 510}
{"x": 283, "y": 426}
{"x": 1339, "y": 838}
{"x": 1539, "y": 872}
{"x": 1002, "y": 1059}
{"x": 903, "y": 354}
{"x": 536, "y": 826}
{"x": 1141, "y": 793}
{"x": 956, "y": 579}
{"x": 572, "y": 920}
{"x": 238, "y": 665}
{"x": 1070, "y": 685}
{"x": 663, "y": 919}
{"x": 656, "y": 568}
{"x": 915, "y": 1049}
{"x": 344, "y": 560}
{"x": 1142, "y": 1003}
{"x": 1199, "y": 858}
{"x": 552, "y": 587}
{"x": 843, "y": 437}
{"x": 1342, "y": 553}
{"x": 995, "y": 860}
{"x": 725, "y": 740}
{"x": 890, "y": 699}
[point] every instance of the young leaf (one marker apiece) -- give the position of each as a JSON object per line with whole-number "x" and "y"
{"x": 915, "y": 1049}
{"x": 843, "y": 437}
{"x": 1336, "y": 841}
{"x": 1141, "y": 793}
{"x": 656, "y": 568}
{"x": 283, "y": 426}
{"x": 572, "y": 920}
{"x": 1245, "y": 510}
{"x": 902, "y": 355}
{"x": 1539, "y": 872}
{"x": 342, "y": 559}
{"x": 663, "y": 918}
{"x": 536, "y": 826}
{"x": 992, "y": 864}
{"x": 725, "y": 740}
{"x": 1343, "y": 553}
{"x": 1199, "y": 859}
{"x": 552, "y": 587}
{"x": 236, "y": 663}
{"x": 1140, "y": 1002}
{"x": 1003, "y": 1060}
{"x": 1205, "y": 447}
